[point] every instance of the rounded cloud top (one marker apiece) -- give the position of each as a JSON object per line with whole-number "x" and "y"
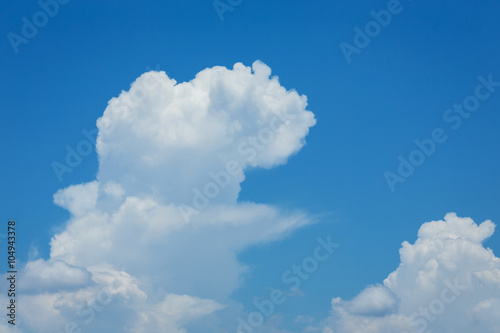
{"x": 167, "y": 135}
{"x": 455, "y": 227}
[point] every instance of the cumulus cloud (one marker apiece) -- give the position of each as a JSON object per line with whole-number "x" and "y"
{"x": 153, "y": 240}
{"x": 165, "y": 137}
{"x": 446, "y": 281}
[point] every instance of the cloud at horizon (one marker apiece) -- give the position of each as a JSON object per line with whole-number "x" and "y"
{"x": 447, "y": 280}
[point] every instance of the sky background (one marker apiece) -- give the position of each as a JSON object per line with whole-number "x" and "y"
{"x": 368, "y": 113}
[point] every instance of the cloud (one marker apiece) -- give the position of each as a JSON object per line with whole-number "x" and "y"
{"x": 129, "y": 250}
{"x": 373, "y": 301}
{"x": 172, "y": 312}
{"x": 446, "y": 281}
{"x": 78, "y": 199}
{"x": 56, "y": 275}
{"x": 164, "y": 137}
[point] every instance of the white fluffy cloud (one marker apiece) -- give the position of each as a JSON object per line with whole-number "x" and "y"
{"x": 165, "y": 137}
{"x": 446, "y": 282}
{"x": 164, "y": 149}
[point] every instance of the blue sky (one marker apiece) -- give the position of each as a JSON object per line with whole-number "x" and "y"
{"x": 369, "y": 112}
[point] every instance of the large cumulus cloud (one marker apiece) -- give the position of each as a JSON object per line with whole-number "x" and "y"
{"x": 129, "y": 248}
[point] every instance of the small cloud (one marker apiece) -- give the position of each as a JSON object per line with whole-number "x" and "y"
{"x": 56, "y": 275}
